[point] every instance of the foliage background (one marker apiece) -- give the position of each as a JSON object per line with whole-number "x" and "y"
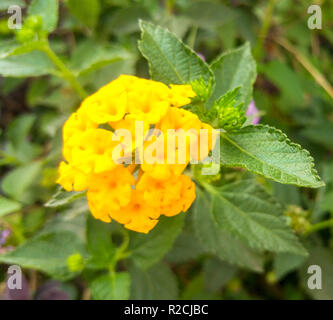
{"x": 97, "y": 40}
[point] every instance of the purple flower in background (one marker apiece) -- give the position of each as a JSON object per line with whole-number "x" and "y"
{"x": 50, "y": 290}
{"x": 253, "y": 113}
{"x": 18, "y": 294}
{"x": 3, "y": 236}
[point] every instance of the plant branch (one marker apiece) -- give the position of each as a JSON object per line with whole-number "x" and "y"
{"x": 121, "y": 252}
{"x": 65, "y": 72}
{"x": 319, "y": 77}
{"x": 264, "y": 29}
{"x": 319, "y": 226}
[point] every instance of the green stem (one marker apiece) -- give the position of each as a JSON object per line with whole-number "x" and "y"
{"x": 264, "y": 29}
{"x": 124, "y": 245}
{"x": 65, "y": 72}
{"x": 319, "y": 226}
{"x": 121, "y": 252}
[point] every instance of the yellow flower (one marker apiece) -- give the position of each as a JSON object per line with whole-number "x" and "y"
{"x": 148, "y": 101}
{"x": 157, "y": 163}
{"x": 107, "y": 104}
{"x": 138, "y": 215}
{"x": 187, "y": 125}
{"x": 109, "y": 191}
{"x": 93, "y": 151}
{"x": 163, "y": 171}
{"x": 180, "y": 95}
{"x": 71, "y": 178}
{"x": 179, "y": 119}
{"x": 203, "y": 147}
{"x": 77, "y": 124}
{"x": 129, "y": 125}
{"x": 169, "y": 197}
{"x": 92, "y": 164}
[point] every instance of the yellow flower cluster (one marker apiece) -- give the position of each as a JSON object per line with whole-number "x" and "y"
{"x": 133, "y": 195}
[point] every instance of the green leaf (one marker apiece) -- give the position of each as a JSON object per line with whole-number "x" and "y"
{"x": 34, "y": 220}
{"x": 90, "y": 56}
{"x": 229, "y": 99}
{"x": 87, "y": 11}
{"x": 19, "y": 128}
{"x": 226, "y": 113}
{"x": 111, "y": 287}
{"x": 267, "y": 151}
{"x": 149, "y": 249}
{"x": 9, "y": 85}
{"x": 12, "y": 47}
{"x": 327, "y": 202}
{"x": 285, "y": 263}
{"x": 286, "y": 193}
{"x": 125, "y": 20}
{"x": 217, "y": 241}
{"x": 235, "y": 68}
{"x": 47, "y": 253}
{"x": 209, "y": 15}
{"x": 251, "y": 197}
{"x": 217, "y": 274}
{"x": 73, "y": 220}
{"x": 170, "y": 60}
{"x": 62, "y": 198}
{"x": 287, "y": 81}
{"x": 99, "y": 243}
{"x": 31, "y": 64}
{"x": 195, "y": 290}
{"x": 17, "y": 181}
{"x": 320, "y": 132}
{"x": 155, "y": 283}
{"x": 18, "y": 146}
{"x": 100, "y": 77}
{"x": 186, "y": 248}
{"x": 48, "y": 10}
{"x": 8, "y": 206}
{"x": 250, "y": 214}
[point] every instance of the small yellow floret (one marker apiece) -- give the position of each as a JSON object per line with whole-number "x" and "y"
{"x": 169, "y": 197}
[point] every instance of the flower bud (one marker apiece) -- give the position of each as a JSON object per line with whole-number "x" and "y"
{"x": 75, "y": 262}
{"x": 34, "y": 23}
{"x": 25, "y": 35}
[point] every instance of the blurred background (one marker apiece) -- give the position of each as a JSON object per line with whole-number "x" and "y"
{"x": 97, "y": 40}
